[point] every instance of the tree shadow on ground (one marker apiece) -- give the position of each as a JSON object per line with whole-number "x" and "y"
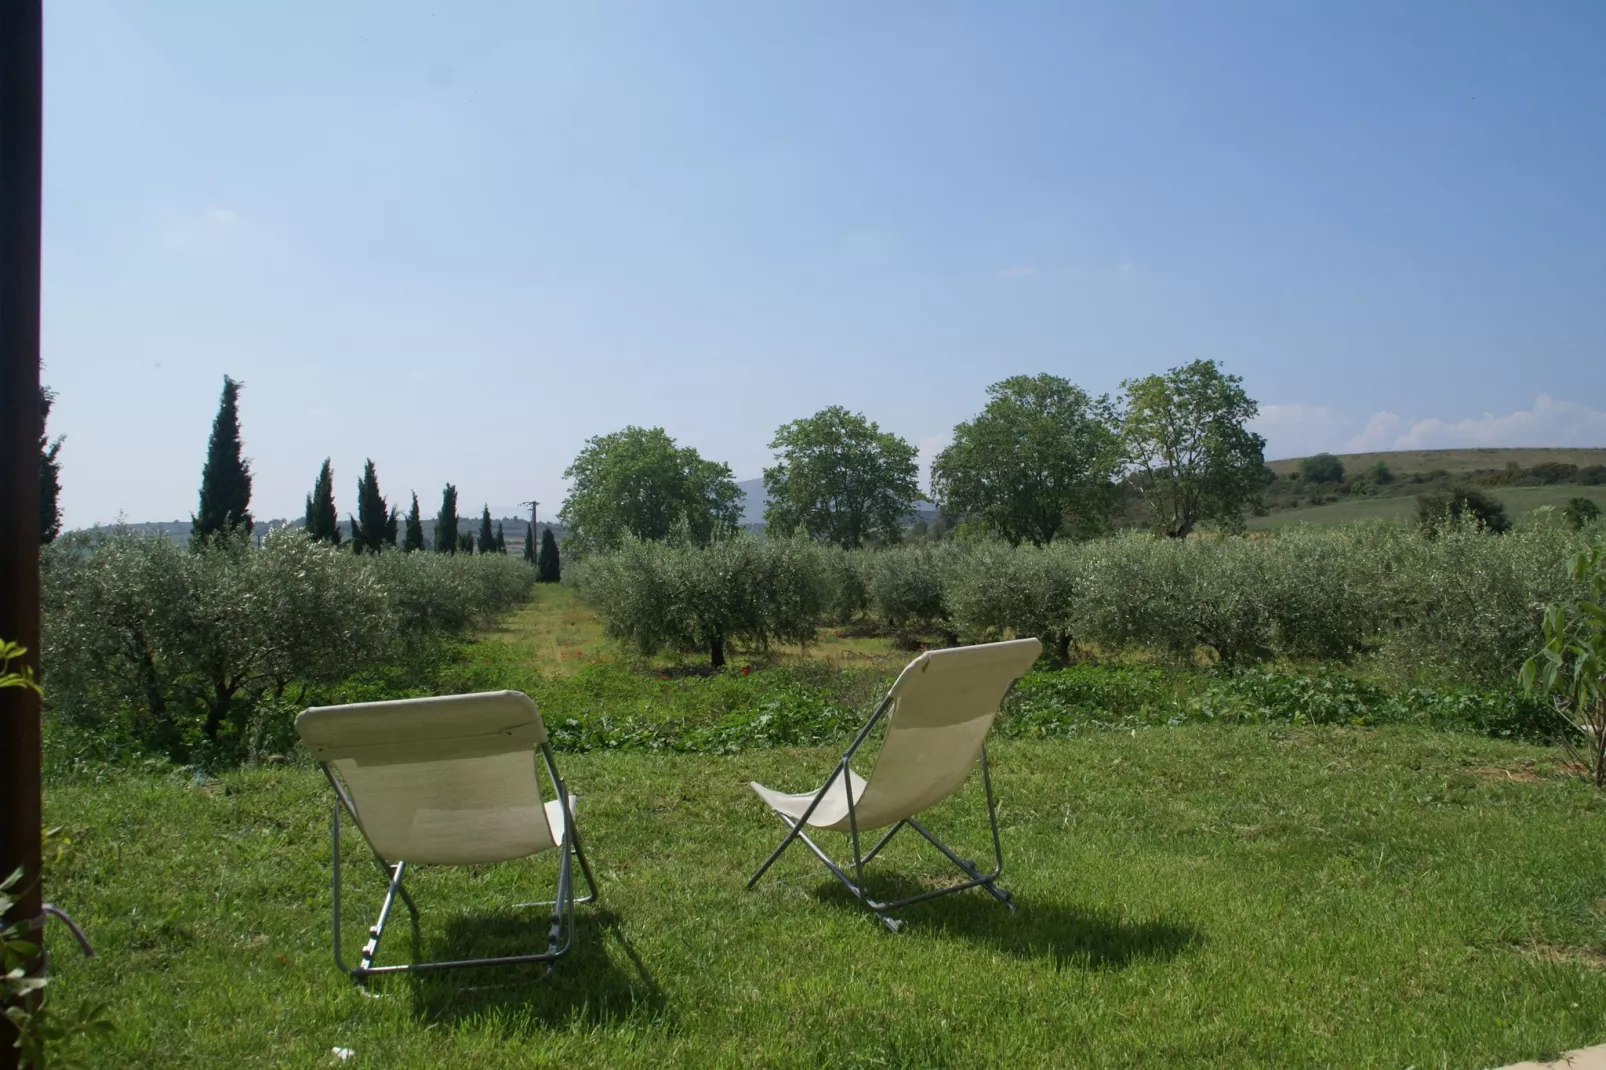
{"x": 1068, "y": 936}
{"x": 601, "y": 980}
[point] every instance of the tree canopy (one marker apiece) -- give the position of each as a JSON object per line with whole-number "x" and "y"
{"x": 1192, "y": 456}
{"x": 637, "y": 483}
{"x": 375, "y": 525}
{"x": 1039, "y": 460}
{"x": 414, "y": 537}
{"x": 1322, "y": 468}
{"x": 446, "y": 541}
{"x": 322, "y": 523}
{"x": 547, "y": 567}
{"x": 840, "y": 478}
{"x": 225, "y": 501}
{"x": 49, "y": 472}
{"x": 487, "y": 536}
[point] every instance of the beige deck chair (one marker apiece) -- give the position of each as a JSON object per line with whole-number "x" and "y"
{"x": 446, "y": 781}
{"x": 938, "y": 713}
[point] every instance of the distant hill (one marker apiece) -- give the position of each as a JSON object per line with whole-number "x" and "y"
{"x": 754, "y": 499}
{"x": 1522, "y": 479}
{"x": 1405, "y": 462}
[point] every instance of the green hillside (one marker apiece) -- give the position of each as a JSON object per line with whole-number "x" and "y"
{"x": 1456, "y": 462}
{"x": 1517, "y": 500}
{"x": 1385, "y": 486}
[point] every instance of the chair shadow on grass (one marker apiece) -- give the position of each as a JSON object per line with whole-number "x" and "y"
{"x": 601, "y": 980}
{"x": 1068, "y": 936}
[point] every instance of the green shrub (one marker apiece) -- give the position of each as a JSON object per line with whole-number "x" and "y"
{"x": 185, "y": 652}
{"x": 655, "y": 595}
{"x": 906, "y": 586}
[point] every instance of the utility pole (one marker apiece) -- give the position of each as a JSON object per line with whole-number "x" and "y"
{"x": 21, "y": 93}
{"x": 534, "y": 534}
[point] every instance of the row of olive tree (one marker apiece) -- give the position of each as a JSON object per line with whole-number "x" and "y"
{"x": 1461, "y": 602}
{"x": 185, "y": 647}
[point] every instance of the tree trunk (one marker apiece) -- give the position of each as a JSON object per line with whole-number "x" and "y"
{"x": 218, "y": 708}
{"x": 1064, "y": 646}
{"x": 716, "y": 652}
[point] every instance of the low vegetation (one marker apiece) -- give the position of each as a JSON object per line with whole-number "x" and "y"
{"x": 1190, "y": 896}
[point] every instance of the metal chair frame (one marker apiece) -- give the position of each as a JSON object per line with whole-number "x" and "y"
{"x": 560, "y": 937}
{"x": 855, "y": 884}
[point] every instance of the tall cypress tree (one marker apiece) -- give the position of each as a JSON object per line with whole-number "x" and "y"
{"x": 414, "y": 539}
{"x": 501, "y": 542}
{"x": 487, "y": 539}
{"x": 547, "y": 568}
{"x": 391, "y": 523}
{"x": 356, "y": 534}
{"x": 225, "y": 504}
{"x": 372, "y": 512}
{"x": 446, "y": 522}
{"x": 322, "y": 523}
{"x": 529, "y": 544}
{"x": 49, "y": 472}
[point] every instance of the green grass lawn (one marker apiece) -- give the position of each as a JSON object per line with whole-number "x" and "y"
{"x": 1517, "y": 500}
{"x": 1200, "y": 895}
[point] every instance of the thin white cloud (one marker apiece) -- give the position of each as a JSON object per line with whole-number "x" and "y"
{"x": 1381, "y": 429}
{"x": 1298, "y": 430}
{"x": 1015, "y": 274}
{"x": 1548, "y": 423}
{"x": 1125, "y": 270}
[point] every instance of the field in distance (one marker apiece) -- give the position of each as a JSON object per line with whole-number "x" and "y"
{"x": 1404, "y": 462}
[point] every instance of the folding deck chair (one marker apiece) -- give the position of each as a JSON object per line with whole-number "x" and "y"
{"x": 938, "y": 713}
{"x": 446, "y": 781}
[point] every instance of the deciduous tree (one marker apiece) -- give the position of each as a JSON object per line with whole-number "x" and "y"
{"x": 637, "y": 483}
{"x": 840, "y": 478}
{"x": 1189, "y": 449}
{"x": 1039, "y": 460}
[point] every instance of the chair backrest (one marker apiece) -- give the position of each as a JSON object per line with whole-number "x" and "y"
{"x": 944, "y": 704}
{"x": 447, "y": 780}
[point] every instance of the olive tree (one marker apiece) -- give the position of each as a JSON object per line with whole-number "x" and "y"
{"x": 1189, "y": 450}
{"x": 1039, "y": 460}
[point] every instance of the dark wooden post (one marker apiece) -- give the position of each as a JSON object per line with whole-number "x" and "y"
{"x": 21, "y": 90}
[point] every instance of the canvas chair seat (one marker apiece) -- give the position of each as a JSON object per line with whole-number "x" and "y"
{"x": 937, "y": 713}
{"x": 446, "y": 781}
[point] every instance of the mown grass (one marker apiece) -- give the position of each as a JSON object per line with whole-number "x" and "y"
{"x": 1189, "y": 896}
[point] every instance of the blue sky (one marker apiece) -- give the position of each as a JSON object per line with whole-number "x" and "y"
{"x": 460, "y": 239}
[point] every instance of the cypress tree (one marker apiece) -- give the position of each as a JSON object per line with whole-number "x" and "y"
{"x": 49, "y": 472}
{"x": 225, "y": 504}
{"x": 547, "y": 568}
{"x": 501, "y": 542}
{"x": 356, "y": 534}
{"x": 414, "y": 540}
{"x": 322, "y": 523}
{"x": 372, "y": 512}
{"x": 465, "y": 542}
{"x": 487, "y": 539}
{"x": 529, "y": 544}
{"x": 446, "y": 522}
{"x": 391, "y": 523}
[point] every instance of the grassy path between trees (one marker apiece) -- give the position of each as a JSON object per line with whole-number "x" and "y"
{"x": 1190, "y": 896}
